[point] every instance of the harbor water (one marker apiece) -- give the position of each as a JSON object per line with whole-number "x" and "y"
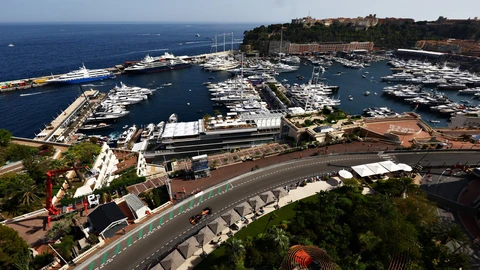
{"x": 44, "y": 49}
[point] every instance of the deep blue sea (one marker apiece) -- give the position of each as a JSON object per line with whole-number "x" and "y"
{"x": 46, "y": 49}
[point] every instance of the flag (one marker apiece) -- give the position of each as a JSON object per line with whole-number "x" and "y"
{"x": 416, "y": 106}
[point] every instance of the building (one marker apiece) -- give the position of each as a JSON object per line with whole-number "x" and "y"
{"x": 107, "y": 219}
{"x": 138, "y": 209}
{"x": 465, "y": 120}
{"x": 305, "y": 128}
{"x": 328, "y": 47}
{"x": 200, "y": 166}
{"x": 216, "y": 134}
{"x": 102, "y": 172}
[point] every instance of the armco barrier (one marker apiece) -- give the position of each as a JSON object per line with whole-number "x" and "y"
{"x": 155, "y": 223}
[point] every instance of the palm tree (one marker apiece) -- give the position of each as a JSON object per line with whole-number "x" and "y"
{"x": 235, "y": 250}
{"x": 280, "y": 239}
{"x": 27, "y": 192}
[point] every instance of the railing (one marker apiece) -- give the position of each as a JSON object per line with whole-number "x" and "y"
{"x": 25, "y": 216}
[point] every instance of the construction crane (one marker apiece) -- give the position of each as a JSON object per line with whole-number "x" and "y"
{"x": 52, "y": 210}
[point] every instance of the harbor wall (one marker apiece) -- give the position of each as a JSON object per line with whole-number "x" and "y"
{"x": 25, "y": 84}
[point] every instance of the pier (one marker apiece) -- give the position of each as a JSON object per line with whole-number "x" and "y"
{"x": 68, "y": 121}
{"x": 23, "y": 84}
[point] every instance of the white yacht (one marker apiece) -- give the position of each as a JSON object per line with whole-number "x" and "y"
{"x": 83, "y": 75}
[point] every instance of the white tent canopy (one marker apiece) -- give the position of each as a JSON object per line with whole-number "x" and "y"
{"x": 405, "y": 167}
{"x": 389, "y": 165}
{"x": 345, "y": 174}
{"x": 363, "y": 170}
{"x": 376, "y": 168}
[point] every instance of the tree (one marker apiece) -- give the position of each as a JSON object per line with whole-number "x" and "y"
{"x": 235, "y": 250}
{"x": 59, "y": 229}
{"x": 12, "y": 247}
{"x": 65, "y": 247}
{"x": 27, "y": 193}
{"x": 368, "y": 241}
{"x": 279, "y": 239}
{"x": 5, "y": 137}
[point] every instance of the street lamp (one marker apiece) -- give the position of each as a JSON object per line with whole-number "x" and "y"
{"x": 53, "y": 250}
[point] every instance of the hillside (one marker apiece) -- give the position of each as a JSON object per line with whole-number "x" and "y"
{"x": 387, "y": 35}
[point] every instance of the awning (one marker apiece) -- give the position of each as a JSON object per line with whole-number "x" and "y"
{"x": 405, "y": 167}
{"x": 363, "y": 170}
{"x": 389, "y": 165}
{"x": 377, "y": 168}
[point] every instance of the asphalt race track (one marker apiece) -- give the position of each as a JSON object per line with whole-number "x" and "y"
{"x": 160, "y": 234}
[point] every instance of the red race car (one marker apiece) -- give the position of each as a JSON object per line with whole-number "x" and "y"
{"x": 195, "y": 219}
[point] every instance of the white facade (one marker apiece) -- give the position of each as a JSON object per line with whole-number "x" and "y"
{"x": 141, "y": 165}
{"x": 103, "y": 168}
{"x": 465, "y": 120}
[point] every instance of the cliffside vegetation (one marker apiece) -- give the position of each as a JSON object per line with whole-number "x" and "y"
{"x": 387, "y": 35}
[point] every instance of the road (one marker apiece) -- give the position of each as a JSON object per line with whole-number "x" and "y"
{"x": 147, "y": 244}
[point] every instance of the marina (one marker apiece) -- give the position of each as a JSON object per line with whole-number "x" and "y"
{"x": 330, "y": 85}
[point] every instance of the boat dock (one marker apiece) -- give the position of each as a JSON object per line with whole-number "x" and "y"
{"x": 24, "y": 84}
{"x": 69, "y": 120}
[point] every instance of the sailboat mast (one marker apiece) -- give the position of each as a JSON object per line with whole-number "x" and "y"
{"x": 223, "y": 41}
{"x": 232, "y": 42}
{"x": 216, "y": 44}
{"x": 281, "y": 41}
{"x": 241, "y": 82}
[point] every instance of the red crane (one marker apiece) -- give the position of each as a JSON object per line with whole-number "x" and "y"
{"x": 52, "y": 210}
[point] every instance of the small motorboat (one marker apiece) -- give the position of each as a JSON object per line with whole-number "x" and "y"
{"x": 364, "y": 76}
{"x": 173, "y": 118}
{"x": 434, "y": 121}
{"x": 211, "y": 78}
{"x": 11, "y": 45}
{"x": 167, "y": 84}
{"x": 125, "y": 127}
{"x": 367, "y": 93}
{"x": 350, "y": 97}
{"x": 188, "y": 103}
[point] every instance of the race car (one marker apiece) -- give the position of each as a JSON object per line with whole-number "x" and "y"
{"x": 195, "y": 219}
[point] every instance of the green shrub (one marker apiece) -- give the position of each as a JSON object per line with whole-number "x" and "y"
{"x": 42, "y": 260}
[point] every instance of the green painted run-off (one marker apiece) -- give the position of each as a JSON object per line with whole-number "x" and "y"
{"x": 171, "y": 215}
{"x": 117, "y": 249}
{"x": 201, "y": 199}
{"x": 219, "y": 190}
{"x": 160, "y": 221}
{"x": 181, "y": 209}
{"x": 104, "y": 259}
{"x": 151, "y": 227}
{"x": 140, "y": 234}
{"x": 91, "y": 266}
{"x": 129, "y": 242}
{"x": 191, "y": 203}
{"x": 226, "y": 187}
{"x": 210, "y": 194}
